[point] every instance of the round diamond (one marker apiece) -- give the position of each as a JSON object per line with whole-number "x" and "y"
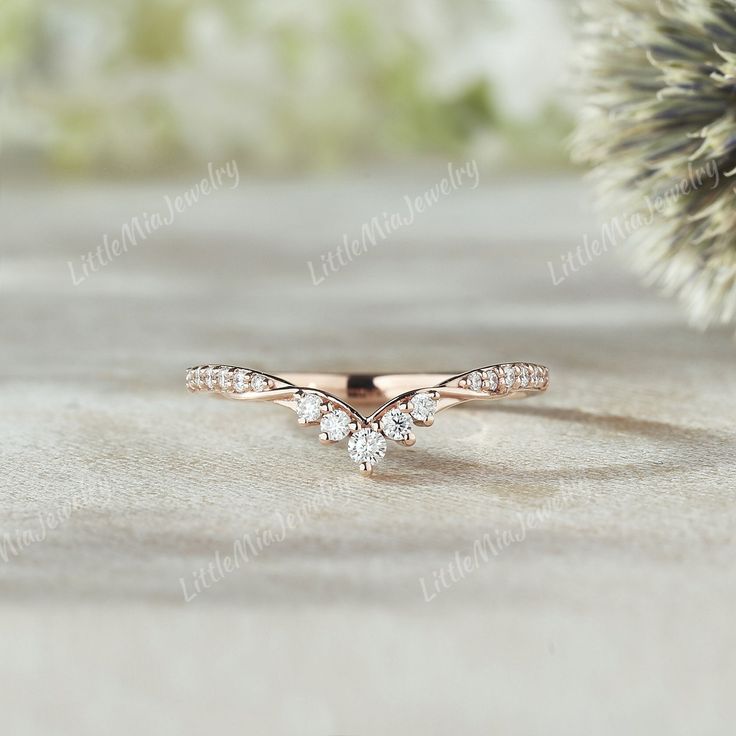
{"x": 509, "y": 376}
{"x": 336, "y": 425}
{"x": 239, "y": 380}
{"x": 423, "y": 406}
{"x": 492, "y": 380}
{"x": 367, "y": 446}
{"x": 309, "y": 408}
{"x": 191, "y": 379}
{"x": 524, "y": 376}
{"x": 208, "y": 378}
{"x": 258, "y": 382}
{"x": 396, "y": 425}
{"x": 475, "y": 381}
{"x": 224, "y": 379}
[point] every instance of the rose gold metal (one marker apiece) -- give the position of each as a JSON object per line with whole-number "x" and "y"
{"x": 343, "y": 391}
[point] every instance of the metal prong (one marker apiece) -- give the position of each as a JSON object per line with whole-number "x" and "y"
{"x": 375, "y": 427}
{"x": 410, "y": 440}
{"x": 324, "y": 439}
{"x": 366, "y": 469}
{"x": 353, "y": 426}
{"x": 403, "y": 406}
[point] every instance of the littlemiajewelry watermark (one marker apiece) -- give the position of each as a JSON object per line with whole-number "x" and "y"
{"x": 492, "y": 544}
{"x": 620, "y": 227}
{"x": 91, "y": 493}
{"x": 381, "y": 227}
{"x": 253, "y": 544}
{"x": 140, "y": 227}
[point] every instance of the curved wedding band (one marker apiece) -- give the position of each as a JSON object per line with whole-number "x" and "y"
{"x": 410, "y": 399}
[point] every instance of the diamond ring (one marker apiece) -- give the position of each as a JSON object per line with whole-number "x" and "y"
{"x": 409, "y": 400}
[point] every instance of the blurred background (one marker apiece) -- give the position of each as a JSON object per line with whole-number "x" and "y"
{"x": 140, "y": 88}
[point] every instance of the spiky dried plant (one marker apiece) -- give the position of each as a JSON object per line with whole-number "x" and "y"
{"x": 660, "y": 133}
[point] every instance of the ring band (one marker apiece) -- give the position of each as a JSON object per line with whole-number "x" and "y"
{"x": 409, "y": 399}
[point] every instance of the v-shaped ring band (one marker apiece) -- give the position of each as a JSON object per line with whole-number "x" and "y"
{"x": 409, "y": 399}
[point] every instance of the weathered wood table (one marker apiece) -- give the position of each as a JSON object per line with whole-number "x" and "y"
{"x": 605, "y": 604}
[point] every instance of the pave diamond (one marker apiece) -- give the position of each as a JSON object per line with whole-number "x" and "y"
{"x": 224, "y": 379}
{"x": 258, "y": 382}
{"x": 492, "y": 380}
{"x": 423, "y": 406}
{"x": 367, "y": 446}
{"x": 239, "y": 380}
{"x": 191, "y": 379}
{"x": 475, "y": 381}
{"x": 309, "y": 408}
{"x": 208, "y": 378}
{"x": 524, "y": 376}
{"x": 509, "y": 376}
{"x": 336, "y": 425}
{"x": 396, "y": 425}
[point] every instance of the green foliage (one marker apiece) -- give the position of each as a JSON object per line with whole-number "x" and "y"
{"x": 148, "y": 85}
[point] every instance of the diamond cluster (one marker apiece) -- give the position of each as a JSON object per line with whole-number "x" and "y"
{"x": 367, "y": 444}
{"x": 501, "y": 379}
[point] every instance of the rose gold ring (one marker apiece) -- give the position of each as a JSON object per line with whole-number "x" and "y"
{"x": 410, "y": 399}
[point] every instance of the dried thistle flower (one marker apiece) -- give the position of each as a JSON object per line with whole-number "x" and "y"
{"x": 660, "y": 133}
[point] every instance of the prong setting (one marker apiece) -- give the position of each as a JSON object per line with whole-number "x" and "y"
{"x": 395, "y": 420}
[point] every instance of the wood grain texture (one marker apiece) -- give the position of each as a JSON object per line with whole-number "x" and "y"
{"x": 614, "y": 614}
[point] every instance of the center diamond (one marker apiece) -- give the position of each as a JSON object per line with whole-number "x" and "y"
{"x": 367, "y": 446}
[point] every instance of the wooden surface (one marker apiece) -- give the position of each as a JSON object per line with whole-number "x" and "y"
{"x": 613, "y": 615}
